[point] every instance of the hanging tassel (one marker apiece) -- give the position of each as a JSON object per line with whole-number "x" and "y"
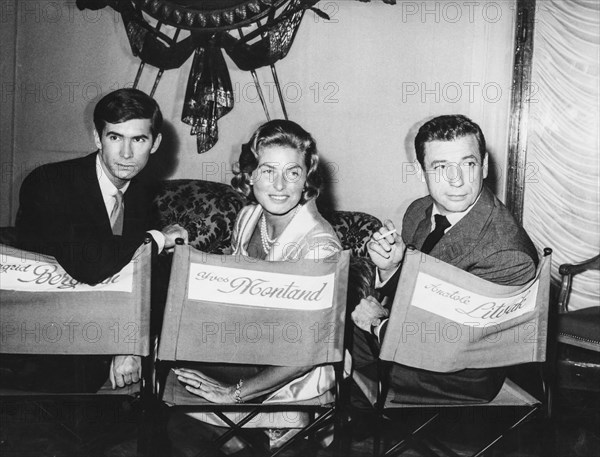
{"x": 209, "y": 95}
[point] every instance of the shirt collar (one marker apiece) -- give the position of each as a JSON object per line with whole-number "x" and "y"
{"x": 107, "y": 188}
{"x": 453, "y": 218}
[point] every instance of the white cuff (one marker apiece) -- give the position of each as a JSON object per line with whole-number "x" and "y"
{"x": 377, "y": 329}
{"x": 378, "y": 282}
{"x": 159, "y": 238}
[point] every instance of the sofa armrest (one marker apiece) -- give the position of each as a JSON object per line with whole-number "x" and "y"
{"x": 361, "y": 280}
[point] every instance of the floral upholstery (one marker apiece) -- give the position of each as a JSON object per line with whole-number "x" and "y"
{"x": 208, "y": 210}
{"x": 354, "y": 229}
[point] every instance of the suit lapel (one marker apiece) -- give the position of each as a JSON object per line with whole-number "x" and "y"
{"x": 423, "y": 229}
{"x": 457, "y": 244}
{"x": 136, "y": 208}
{"x": 90, "y": 197}
{"x": 288, "y": 242}
{"x": 246, "y": 229}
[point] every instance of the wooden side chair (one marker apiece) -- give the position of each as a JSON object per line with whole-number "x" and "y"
{"x": 578, "y": 335}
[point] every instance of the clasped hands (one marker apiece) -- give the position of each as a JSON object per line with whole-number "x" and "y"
{"x": 125, "y": 370}
{"x": 387, "y": 252}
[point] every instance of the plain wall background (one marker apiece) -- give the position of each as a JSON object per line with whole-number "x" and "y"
{"x": 360, "y": 83}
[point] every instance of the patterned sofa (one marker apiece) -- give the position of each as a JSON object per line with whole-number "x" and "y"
{"x": 208, "y": 210}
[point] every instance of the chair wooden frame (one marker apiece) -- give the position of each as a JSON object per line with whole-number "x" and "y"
{"x": 324, "y": 410}
{"x": 135, "y": 311}
{"x": 575, "y": 361}
{"x": 567, "y": 271}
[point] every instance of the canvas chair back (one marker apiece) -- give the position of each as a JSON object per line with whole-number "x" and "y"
{"x": 45, "y": 311}
{"x": 235, "y": 309}
{"x": 444, "y": 319}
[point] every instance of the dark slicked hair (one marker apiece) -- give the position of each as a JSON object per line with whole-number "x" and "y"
{"x": 447, "y": 128}
{"x": 278, "y": 132}
{"x": 124, "y": 105}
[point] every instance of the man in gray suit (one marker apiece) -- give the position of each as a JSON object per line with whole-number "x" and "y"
{"x": 461, "y": 223}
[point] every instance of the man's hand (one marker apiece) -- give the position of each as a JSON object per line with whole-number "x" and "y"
{"x": 172, "y": 232}
{"x": 386, "y": 252}
{"x": 368, "y": 312}
{"x": 124, "y": 370}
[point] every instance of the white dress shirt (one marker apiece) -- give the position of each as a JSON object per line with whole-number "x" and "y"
{"x": 109, "y": 190}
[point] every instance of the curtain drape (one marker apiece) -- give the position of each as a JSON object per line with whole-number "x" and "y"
{"x": 562, "y": 196}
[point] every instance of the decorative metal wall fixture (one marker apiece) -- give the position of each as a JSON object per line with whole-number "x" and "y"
{"x": 209, "y": 93}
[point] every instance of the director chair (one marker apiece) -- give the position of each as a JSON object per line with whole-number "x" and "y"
{"x": 248, "y": 321}
{"x": 490, "y": 326}
{"x": 44, "y": 311}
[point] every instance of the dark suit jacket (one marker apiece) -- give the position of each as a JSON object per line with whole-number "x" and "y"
{"x": 488, "y": 243}
{"x": 61, "y": 213}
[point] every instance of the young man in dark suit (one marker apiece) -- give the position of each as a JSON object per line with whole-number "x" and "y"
{"x": 91, "y": 213}
{"x": 461, "y": 223}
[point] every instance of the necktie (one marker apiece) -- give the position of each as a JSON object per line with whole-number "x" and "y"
{"x": 441, "y": 224}
{"x": 116, "y": 215}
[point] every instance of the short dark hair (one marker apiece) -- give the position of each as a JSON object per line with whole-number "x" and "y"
{"x": 278, "y": 132}
{"x": 447, "y": 128}
{"x": 124, "y": 105}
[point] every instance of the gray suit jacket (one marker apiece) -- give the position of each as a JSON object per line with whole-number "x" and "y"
{"x": 488, "y": 243}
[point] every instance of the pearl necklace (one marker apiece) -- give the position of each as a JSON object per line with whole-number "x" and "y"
{"x": 267, "y": 243}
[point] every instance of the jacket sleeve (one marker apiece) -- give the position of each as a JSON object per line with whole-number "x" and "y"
{"x": 508, "y": 267}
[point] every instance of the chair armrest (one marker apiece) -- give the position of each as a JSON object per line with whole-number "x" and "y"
{"x": 576, "y": 268}
{"x": 568, "y": 270}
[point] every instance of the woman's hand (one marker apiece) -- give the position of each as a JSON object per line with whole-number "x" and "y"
{"x": 204, "y": 386}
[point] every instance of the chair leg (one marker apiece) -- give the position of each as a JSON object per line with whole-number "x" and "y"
{"x": 422, "y": 448}
{"x": 306, "y": 431}
{"x": 70, "y": 429}
{"x": 507, "y": 431}
{"x": 341, "y": 433}
{"x": 146, "y": 425}
{"x": 442, "y": 447}
{"x": 238, "y": 429}
{"x": 410, "y": 439}
{"x": 377, "y": 435}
